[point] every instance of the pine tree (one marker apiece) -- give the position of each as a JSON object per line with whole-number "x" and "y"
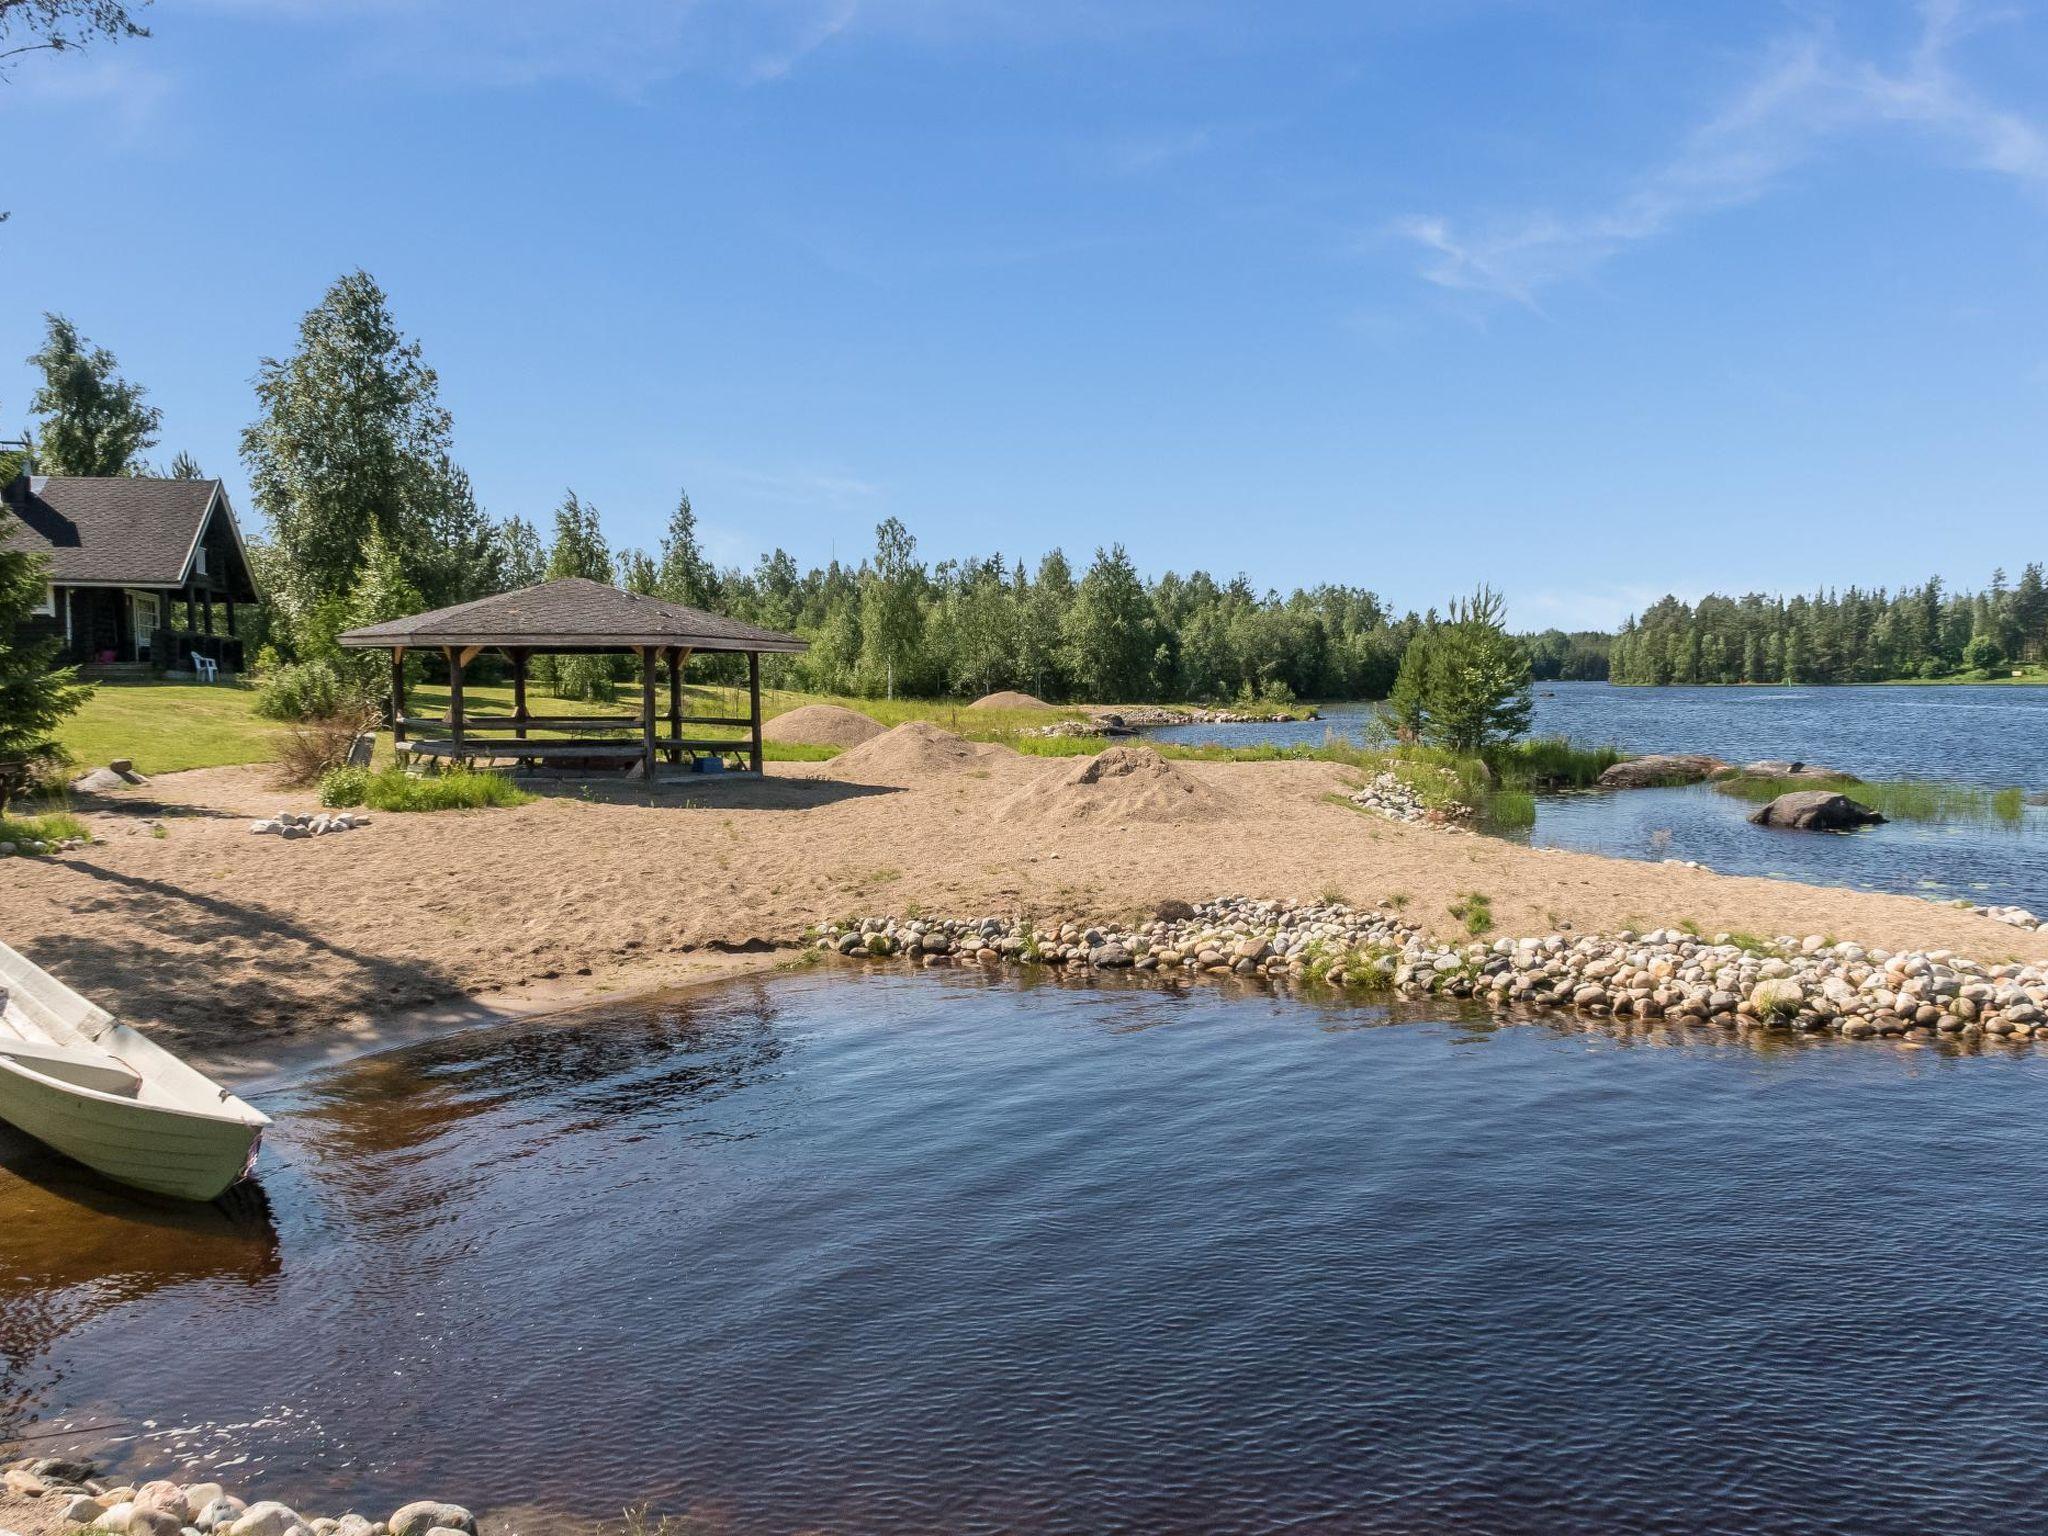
{"x": 522, "y": 559}
{"x": 94, "y": 422}
{"x": 382, "y": 591}
{"x": 580, "y": 550}
{"x": 684, "y": 575}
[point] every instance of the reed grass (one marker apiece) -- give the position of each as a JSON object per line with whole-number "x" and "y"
{"x": 1899, "y": 799}
{"x": 452, "y": 789}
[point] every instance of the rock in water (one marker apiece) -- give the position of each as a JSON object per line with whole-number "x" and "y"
{"x": 1815, "y": 810}
{"x": 1660, "y": 769}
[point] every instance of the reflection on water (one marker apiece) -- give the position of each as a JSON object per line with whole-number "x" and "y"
{"x": 917, "y": 1252}
{"x": 73, "y": 1248}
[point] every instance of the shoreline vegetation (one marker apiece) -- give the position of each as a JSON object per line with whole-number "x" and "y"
{"x": 175, "y": 917}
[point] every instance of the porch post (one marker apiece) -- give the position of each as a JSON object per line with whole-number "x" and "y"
{"x": 519, "y": 693}
{"x": 191, "y": 614}
{"x": 207, "y": 596}
{"x": 754, "y": 704}
{"x": 647, "y": 711}
{"x": 397, "y": 697}
{"x": 231, "y": 617}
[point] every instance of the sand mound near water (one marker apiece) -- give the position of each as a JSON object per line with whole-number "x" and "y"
{"x": 822, "y": 725}
{"x": 1121, "y": 784}
{"x": 1009, "y": 699}
{"x": 914, "y": 751}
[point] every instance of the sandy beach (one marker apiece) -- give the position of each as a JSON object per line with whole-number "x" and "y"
{"x": 234, "y": 947}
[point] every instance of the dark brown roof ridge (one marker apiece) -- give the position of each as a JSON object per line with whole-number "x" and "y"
{"x": 569, "y": 612}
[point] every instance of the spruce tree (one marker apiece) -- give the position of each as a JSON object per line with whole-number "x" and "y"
{"x": 35, "y": 693}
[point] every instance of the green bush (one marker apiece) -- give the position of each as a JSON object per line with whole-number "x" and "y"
{"x": 345, "y": 786}
{"x": 453, "y": 789}
{"x": 35, "y": 834}
{"x": 310, "y": 690}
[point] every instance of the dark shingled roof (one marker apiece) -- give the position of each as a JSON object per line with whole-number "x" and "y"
{"x": 572, "y": 612}
{"x": 122, "y": 529}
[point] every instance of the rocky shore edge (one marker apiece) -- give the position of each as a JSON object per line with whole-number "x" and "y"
{"x": 79, "y": 1499}
{"x": 1811, "y": 984}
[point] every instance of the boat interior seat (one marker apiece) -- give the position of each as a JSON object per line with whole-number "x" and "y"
{"x": 80, "y": 1069}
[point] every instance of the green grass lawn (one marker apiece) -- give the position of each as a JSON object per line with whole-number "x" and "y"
{"x": 165, "y": 727}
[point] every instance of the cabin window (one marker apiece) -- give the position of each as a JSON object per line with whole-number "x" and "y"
{"x": 48, "y": 606}
{"x": 199, "y": 561}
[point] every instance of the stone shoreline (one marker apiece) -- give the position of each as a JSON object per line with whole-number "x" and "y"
{"x": 1810, "y": 984}
{"x": 66, "y": 1493}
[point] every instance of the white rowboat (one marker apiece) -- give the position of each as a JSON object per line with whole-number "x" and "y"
{"x": 79, "y": 1081}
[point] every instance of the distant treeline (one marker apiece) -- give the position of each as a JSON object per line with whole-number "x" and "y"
{"x": 1852, "y": 636}
{"x": 961, "y": 628}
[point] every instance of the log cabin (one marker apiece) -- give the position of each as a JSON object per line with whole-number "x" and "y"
{"x": 128, "y": 556}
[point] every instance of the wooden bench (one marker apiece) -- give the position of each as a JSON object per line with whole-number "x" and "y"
{"x": 81, "y": 1069}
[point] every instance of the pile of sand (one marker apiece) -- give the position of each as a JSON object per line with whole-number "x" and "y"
{"x": 913, "y": 752}
{"x": 1121, "y": 784}
{"x": 1008, "y": 699}
{"x": 822, "y": 725}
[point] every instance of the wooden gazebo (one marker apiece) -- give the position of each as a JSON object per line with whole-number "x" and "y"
{"x": 572, "y": 617}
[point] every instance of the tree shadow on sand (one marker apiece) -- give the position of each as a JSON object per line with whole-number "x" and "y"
{"x": 709, "y": 791}
{"x": 223, "y": 972}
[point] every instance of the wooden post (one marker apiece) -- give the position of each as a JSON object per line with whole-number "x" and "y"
{"x": 754, "y": 704}
{"x": 675, "y": 700}
{"x": 397, "y": 697}
{"x": 519, "y": 693}
{"x": 191, "y": 613}
{"x": 207, "y": 597}
{"x": 647, "y": 712}
{"x": 231, "y": 617}
{"x": 455, "y": 666}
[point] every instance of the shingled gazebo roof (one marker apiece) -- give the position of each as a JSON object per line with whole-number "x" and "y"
{"x": 572, "y": 614}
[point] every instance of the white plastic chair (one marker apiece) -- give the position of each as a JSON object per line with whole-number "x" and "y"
{"x": 206, "y": 668}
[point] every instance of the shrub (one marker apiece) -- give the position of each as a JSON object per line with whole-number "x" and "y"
{"x": 308, "y": 752}
{"x": 453, "y": 789}
{"x": 344, "y": 786}
{"x": 33, "y": 834}
{"x": 310, "y": 690}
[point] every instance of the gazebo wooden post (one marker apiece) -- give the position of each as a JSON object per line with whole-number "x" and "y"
{"x": 397, "y": 697}
{"x": 647, "y": 710}
{"x": 754, "y": 705}
{"x": 455, "y": 667}
{"x": 518, "y": 659}
{"x": 675, "y": 654}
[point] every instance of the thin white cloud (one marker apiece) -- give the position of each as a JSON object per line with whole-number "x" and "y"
{"x": 629, "y": 46}
{"x": 1805, "y": 94}
{"x": 621, "y": 45}
{"x": 1136, "y": 154}
{"x": 124, "y": 96}
{"x": 805, "y": 487}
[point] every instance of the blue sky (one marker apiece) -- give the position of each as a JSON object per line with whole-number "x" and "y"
{"x": 1592, "y": 300}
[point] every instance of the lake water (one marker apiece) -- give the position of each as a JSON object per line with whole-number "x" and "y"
{"x": 1993, "y": 736}
{"x": 920, "y": 1252}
